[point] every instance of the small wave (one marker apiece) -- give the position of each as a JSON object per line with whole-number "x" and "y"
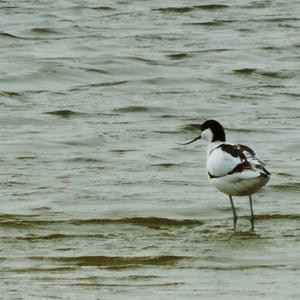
{"x": 248, "y": 130}
{"x": 57, "y": 236}
{"x": 213, "y": 50}
{"x": 185, "y": 9}
{"x": 10, "y": 35}
{"x": 154, "y": 36}
{"x": 191, "y": 127}
{"x": 122, "y": 151}
{"x": 142, "y": 221}
{"x": 64, "y": 113}
{"x": 43, "y": 30}
{"x": 178, "y": 56}
{"x": 128, "y": 285}
{"x": 95, "y": 85}
{"x": 142, "y": 277}
{"x": 26, "y": 157}
{"x": 83, "y": 160}
{"x": 277, "y": 74}
{"x": 142, "y": 59}
{"x": 11, "y": 94}
{"x": 266, "y": 73}
{"x": 139, "y": 285}
{"x": 211, "y": 6}
{"x": 244, "y": 71}
{"x": 102, "y": 8}
{"x": 284, "y": 174}
{"x": 243, "y": 267}
{"x": 134, "y": 108}
{"x": 280, "y": 19}
{"x": 210, "y": 23}
{"x": 94, "y": 70}
{"x": 164, "y": 165}
{"x": 6, "y": 217}
{"x": 278, "y": 217}
{"x": 277, "y": 48}
{"x": 38, "y": 270}
{"x": 290, "y": 186}
{"x": 296, "y": 95}
{"x": 272, "y": 86}
{"x": 18, "y": 221}
{"x": 107, "y": 84}
{"x": 14, "y": 183}
{"x": 115, "y": 261}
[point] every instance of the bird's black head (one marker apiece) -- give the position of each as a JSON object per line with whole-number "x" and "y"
{"x": 216, "y": 129}
{"x": 211, "y": 131}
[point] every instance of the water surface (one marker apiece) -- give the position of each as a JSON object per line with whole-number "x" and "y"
{"x": 98, "y": 201}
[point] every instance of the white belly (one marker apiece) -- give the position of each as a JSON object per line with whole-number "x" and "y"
{"x": 233, "y": 186}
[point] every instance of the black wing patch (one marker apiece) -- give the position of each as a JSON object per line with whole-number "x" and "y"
{"x": 233, "y": 150}
{"x": 241, "y": 167}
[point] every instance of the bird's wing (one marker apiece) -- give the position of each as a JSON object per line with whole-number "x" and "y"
{"x": 254, "y": 159}
{"x": 250, "y": 154}
{"x": 229, "y": 159}
{"x": 226, "y": 159}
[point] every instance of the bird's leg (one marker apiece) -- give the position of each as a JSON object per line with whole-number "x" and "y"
{"x": 234, "y": 213}
{"x": 252, "y": 214}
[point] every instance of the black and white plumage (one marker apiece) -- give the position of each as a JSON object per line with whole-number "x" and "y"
{"x": 235, "y": 170}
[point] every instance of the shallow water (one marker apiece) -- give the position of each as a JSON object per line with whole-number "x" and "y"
{"x": 98, "y": 201}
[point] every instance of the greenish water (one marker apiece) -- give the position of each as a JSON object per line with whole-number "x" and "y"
{"x": 98, "y": 201}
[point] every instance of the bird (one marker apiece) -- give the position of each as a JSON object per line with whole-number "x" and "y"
{"x": 234, "y": 169}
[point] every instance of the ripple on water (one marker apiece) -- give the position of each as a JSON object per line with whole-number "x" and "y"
{"x": 107, "y": 77}
{"x": 191, "y": 127}
{"x": 64, "y": 113}
{"x": 84, "y": 160}
{"x": 289, "y": 186}
{"x": 116, "y": 262}
{"x": 11, "y": 94}
{"x": 102, "y": 8}
{"x": 185, "y": 9}
{"x": 179, "y": 56}
{"x": 210, "y": 23}
{"x": 10, "y": 35}
{"x": 143, "y": 221}
{"x": 10, "y": 220}
{"x": 165, "y": 165}
{"x": 44, "y": 30}
{"x": 60, "y": 236}
{"x": 266, "y": 73}
{"x": 138, "y": 109}
{"x": 278, "y": 217}
{"x": 244, "y": 71}
{"x": 97, "y": 85}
